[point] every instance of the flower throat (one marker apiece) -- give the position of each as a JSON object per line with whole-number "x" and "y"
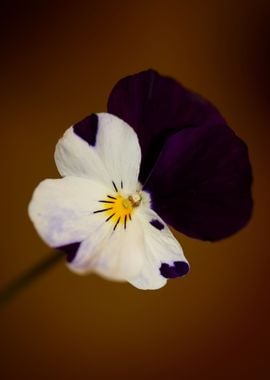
{"x": 119, "y": 209}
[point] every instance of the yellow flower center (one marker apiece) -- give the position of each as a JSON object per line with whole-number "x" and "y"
{"x": 119, "y": 209}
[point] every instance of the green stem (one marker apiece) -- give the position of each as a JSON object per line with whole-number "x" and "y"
{"x": 9, "y": 292}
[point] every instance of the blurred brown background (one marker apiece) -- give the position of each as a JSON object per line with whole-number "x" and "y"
{"x": 59, "y": 60}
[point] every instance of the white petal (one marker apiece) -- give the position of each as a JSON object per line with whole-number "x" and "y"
{"x": 115, "y": 255}
{"x": 122, "y": 255}
{"x": 62, "y": 209}
{"x": 161, "y": 247}
{"x": 118, "y": 147}
{"x": 115, "y": 155}
{"x": 75, "y": 157}
{"x": 89, "y": 248}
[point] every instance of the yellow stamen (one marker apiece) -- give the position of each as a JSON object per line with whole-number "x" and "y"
{"x": 121, "y": 209}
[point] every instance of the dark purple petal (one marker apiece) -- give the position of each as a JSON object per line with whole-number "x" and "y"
{"x": 156, "y": 107}
{"x": 195, "y": 167}
{"x": 157, "y": 224}
{"x": 87, "y": 129}
{"x": 202, "y": 183}
{"x": 71, "y": 250}
{"x": 178, "y": 269}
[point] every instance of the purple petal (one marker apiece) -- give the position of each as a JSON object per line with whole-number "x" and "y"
{"x": 205, "y": 193}
{"x": 156, "y": 107}
{"x": 87, "y": 129}
{"x": 196, "y": 169}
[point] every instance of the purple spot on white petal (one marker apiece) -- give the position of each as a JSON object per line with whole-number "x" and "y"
{"x": 157, "y": 224}
{"x": 87, "y": 129}
{"x": 178, "y": 269}
{"x": 71, "y": 250}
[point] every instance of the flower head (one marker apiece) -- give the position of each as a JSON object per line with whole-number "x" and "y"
{"x": 162, "y": 155}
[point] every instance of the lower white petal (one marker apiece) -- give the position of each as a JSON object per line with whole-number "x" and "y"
{"x": 74, "y": 212}
{"x": 150, "y": 277}
{"x": 122, "y": 255}
{"x": 164, "y": 256}
{"x": 82, "y": 260}
{"x": 114, "y": 254}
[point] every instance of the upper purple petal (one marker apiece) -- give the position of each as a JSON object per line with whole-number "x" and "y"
{"x": 156, "y": 107}
{"x": 195, "y": 167}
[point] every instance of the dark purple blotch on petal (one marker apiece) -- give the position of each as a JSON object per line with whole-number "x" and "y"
{"x": 87, "y": 129}
{"x": 195, "y": 167}
{"x": 157, "y": 224}
{"x": 178, "y": 269}
{"x": 70, "y": 250}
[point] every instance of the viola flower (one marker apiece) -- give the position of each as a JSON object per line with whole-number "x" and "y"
{"x": 162, "y": 155}
{"x": 99, "y": 213}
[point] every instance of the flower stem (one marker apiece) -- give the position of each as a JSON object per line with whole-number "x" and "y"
{"x": 9, "y": 292}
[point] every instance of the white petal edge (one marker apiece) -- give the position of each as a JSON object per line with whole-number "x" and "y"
{"x": 62, "y": 209}
{"x": 75, "y": 157}
{"x": 161, "y": 247}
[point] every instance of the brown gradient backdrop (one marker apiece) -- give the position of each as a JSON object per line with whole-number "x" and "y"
{"x": 59, "y": 60}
